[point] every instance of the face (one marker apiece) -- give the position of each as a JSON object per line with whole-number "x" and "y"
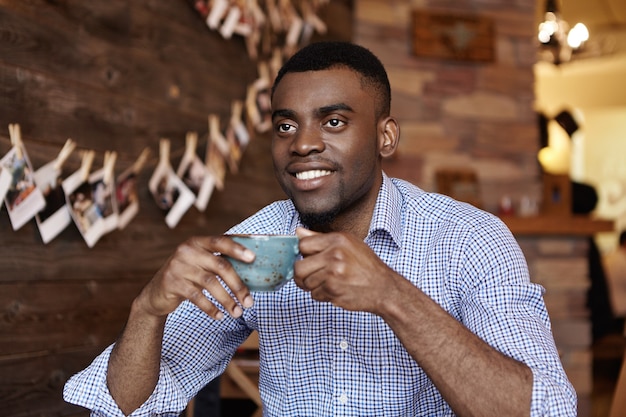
{"x": 327, "y": 146}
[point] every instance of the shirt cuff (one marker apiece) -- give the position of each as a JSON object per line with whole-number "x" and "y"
{"x": 550, "y": 397}
{"x": 89, "y": 389}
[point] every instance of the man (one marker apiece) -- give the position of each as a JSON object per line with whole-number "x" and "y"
{"x": 405, "y": 303}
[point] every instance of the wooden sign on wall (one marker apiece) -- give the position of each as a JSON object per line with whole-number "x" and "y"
{"x": 464, "y": 37}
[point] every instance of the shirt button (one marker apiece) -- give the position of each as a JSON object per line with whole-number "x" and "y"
{"x": 343, "y": 345}
{"x": 343, "y": 398}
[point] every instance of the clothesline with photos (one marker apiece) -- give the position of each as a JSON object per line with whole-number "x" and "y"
{"x": 264, "y": 24}
{"x": 99, "y": 202}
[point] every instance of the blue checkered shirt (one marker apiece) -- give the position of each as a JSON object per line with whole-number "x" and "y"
{"x": 320, "y": 360}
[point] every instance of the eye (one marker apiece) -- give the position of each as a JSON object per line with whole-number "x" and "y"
{"x": 335, "y": 123}
{"x": 285, "y": 128}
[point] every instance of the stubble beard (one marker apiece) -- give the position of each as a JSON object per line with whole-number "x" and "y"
{"x": 319, "y": 221}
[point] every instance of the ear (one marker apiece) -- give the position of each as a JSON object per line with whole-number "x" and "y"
{"x": 388, "y": 136}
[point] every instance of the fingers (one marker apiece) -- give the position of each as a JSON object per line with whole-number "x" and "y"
{"x": 211, "y": 265}
{"x": 194, "y": 267}
{"x": 310, "y": 242}
{"x": 340, "y": 269}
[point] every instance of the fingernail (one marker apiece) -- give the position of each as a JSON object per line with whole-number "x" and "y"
{"x": 237, "y": 312}
{"x": 248, "y": 255}
{"x": 248, "y": 301}
{"x": 219, "y": 315}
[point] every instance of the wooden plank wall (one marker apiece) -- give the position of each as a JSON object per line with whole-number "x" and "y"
{"x": 113, "y": 75}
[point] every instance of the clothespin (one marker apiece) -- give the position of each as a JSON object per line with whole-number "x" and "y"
{"x": 216, "y": 162}
{"x": 141, "y": 160}
{"x": 16, "y": 139}
{"x": 310, "y": 17}
{"x": 109, "y": 167}
{"x": 191, "y": 141}
{"x": 252, "y": 110}
{"x": 295, "y": 29}
{"x": 164, "y": 151}
{"x": 256, "y": 12}
{"x": 216, "y": 135}
{"x": 263, "y": 81}
{"x": 218, "y": 10}
{"x": 85, "y": 165}
{"x": 65, "y": 152}
{"x": 275, "y": 63}
{"x": 274, "y": 15}
{"x": 230, "y": 22}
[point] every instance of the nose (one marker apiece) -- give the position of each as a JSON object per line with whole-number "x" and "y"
{"x": 307, "y": 140}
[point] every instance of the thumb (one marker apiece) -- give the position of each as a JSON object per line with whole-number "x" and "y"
{"x": 301, "y": 232}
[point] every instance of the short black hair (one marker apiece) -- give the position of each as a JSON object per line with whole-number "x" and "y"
{"x": 320, "y": 56}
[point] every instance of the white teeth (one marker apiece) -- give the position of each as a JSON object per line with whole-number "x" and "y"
{"x": 309, "y": 175}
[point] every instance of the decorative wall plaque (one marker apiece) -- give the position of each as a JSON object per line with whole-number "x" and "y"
{"x": 463, "y": 37}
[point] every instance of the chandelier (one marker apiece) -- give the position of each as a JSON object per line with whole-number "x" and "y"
{"x": 558, "y": 41}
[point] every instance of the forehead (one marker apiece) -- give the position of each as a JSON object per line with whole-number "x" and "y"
{"x": 321, "y": 88}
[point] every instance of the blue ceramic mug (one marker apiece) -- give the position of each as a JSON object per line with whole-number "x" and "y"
{"x": 273, "y": 265}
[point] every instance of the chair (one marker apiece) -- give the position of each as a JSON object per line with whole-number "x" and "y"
{"x": 242, "y": 372}
{"x": 240, "y": 379}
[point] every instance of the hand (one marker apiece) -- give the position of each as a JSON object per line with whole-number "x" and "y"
{"x": 192, "y": 268}
{"x": 342, "y": 269}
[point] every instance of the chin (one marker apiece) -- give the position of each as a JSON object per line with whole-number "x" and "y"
{"x": 318, "y": 220}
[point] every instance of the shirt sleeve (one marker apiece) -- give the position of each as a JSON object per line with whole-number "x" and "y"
{"x": 508, "y": 311}
{"x": 88, "y": 389}
{"x": 195, "y": 350}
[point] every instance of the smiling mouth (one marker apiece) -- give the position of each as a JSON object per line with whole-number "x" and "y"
{"x": 311, "y": 175}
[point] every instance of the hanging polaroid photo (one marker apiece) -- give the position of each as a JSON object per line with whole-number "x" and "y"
{"x": 23, "y": 199}
{"x": 195, "y": 174}
{"x": 80, "y": 200}
{"x": 5, "y": 182}
{"x": 103, "y": 193}
{"x": 126, "y": 191}
{"x": 55, "y": 216}
{"x": 169, "y": 191}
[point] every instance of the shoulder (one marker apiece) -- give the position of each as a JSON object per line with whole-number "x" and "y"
{"x": 438, "y": 208}
{"x": 441, "y": 217}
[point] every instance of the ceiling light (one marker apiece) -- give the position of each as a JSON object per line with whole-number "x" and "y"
{"x": 558, "y": 42}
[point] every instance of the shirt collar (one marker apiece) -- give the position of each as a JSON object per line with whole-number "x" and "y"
{"x": 387, "y": 216}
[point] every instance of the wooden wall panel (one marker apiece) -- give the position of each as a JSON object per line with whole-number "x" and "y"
{"x": 113, "y": 75}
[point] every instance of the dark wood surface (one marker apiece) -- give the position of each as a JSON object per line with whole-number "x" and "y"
{"x": 118, "y": 76}
{"x": 568, "y": 225}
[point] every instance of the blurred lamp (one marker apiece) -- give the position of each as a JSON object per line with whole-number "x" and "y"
{"x": 558, "y": 42}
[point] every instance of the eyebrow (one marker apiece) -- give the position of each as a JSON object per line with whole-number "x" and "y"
{"x": 333, "y": 108}
{"x": 290, "y": 114}
{"x": 324, "y": 110}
